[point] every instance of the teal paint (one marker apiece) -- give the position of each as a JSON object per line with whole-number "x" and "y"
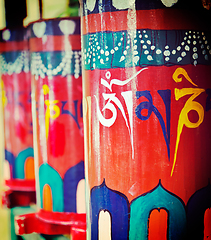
{"x": 158, "y": 198}
{"x": 20, "y": 162}
{"x": 48, "y": 175}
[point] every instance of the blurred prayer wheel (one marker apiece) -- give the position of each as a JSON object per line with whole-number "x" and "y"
{"x": 16, "y": 97}
{"x": 55, "y": 48}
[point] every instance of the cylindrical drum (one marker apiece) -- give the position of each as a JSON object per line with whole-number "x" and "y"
{"x": 55, "y": 48}
{"x": 147, "y": 92}
{"x": 16, "y": 96}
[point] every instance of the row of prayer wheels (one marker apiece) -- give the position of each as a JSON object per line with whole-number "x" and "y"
{"x": 123, "y": 117}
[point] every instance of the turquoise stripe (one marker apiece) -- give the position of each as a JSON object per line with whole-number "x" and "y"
{"x": 20, "y": 160}
{"x": 48, "y": 175}
{"x": 105, "y": 50}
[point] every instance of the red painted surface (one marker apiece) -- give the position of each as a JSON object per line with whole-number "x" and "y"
{"x": 16, "y": 95}
{"x": 22, "y": 185}
{"x": 158, "y": 223}
{"x": 130, "y": 59}
{"x": 11, "y": 199}
{"x": 14, "y": 46}
{"x": 17, "y": 112}
{"x": 150, "y": 154}
{"x": 207, "y": 224}
{"x": 63, "y": 131}
{"x": 45, "y": 224}
{"x": 147, "y": 19}
{"x": 58, "y": 43}
{"x": 57, "y": 102}
{"x": 78, "y": 233}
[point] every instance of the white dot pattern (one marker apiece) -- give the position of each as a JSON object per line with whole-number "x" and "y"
{"x": 21, "y": 63}
{"x": 71, "y": 59}
{"x": 142, "y": 43}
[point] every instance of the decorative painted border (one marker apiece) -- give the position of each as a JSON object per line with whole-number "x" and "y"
{"x": 10, "y": 35}
{"x": 14, "y": 62}
{"x": 56, "y": 63}
{"x": 184, "y": 221}
{"x": 144, "y": 47}
{"x": 55, "y": 27}
{"x": 42, "y": 63}
{"x": 64, "y": 190}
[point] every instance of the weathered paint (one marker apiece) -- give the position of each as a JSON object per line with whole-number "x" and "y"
{"x": 58, "y": 129}
{"x": 57, "y": 97}
{"x": 16, "y": 98}
{"x": 146, "y": 87}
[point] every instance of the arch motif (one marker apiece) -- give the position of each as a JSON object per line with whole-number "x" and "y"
{"x": 48, "y": 175}
{"x": 158, "y": 216}
{"x": 116, "y": 203}
{"x": 199, "y": 202}
{"x": 19, "y": 169}
{"x": 104, "y": 225}
{"x": 71, "y": 179}
{"x": 47, "y": 198}
{"x": 80, "y": 197}
{"x": 10, "y": 158}
{"x": 158, "y": 198}
{"x": 29, "y": 168}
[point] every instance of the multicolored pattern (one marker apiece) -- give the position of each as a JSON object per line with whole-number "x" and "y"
{"x": 63, "y": 56}
{"x": 182, "y": 220}
{"x": 57, "y": 92}
{"x": 56, "y": 63}
{"x": 16, "y": 96}
{"x": 14, "y": 62}
{"x": 63, "y": 190}
{"x": 145, "y": 47}
{"x": 147, "y": 119}
{"x": 55, "y": 27}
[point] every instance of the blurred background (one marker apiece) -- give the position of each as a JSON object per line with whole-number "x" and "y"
{"x": 51, "y": 9}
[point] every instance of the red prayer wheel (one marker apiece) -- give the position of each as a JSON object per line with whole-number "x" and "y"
{"x": 147, "y": 91}
{"x": 55, "y": 49}
{"x": 18, "y": 134}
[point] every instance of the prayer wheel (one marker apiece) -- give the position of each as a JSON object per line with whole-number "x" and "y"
{"x": 147, "y": 91}
{"x": 16, "y": 96}
{"x": 55, "y": 49}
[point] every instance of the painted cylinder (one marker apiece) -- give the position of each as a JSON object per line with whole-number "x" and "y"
{"x": 16, "y": 96}
{"x": 146, "y": 87}
{"x": 57, "y": 116}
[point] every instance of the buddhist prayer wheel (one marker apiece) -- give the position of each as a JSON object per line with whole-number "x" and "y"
{"x": 147, "y": 92}
{"x": 55, "y": 49}
{"x": 18, "y": 134}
